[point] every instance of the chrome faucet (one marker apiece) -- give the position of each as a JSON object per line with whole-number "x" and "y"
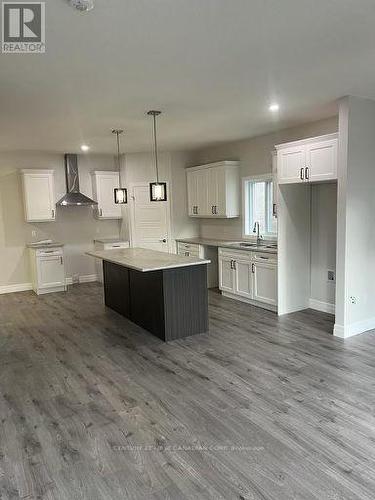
{"x": 256, "y": 230}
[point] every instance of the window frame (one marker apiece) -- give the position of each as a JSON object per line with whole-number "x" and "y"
{"x": 246, "y": 230}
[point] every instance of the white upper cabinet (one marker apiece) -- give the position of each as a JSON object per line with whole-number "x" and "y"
{"x": 321, "y": 160}
{"x": 104, "y": 184}
{"x": 310, "y": 160}
{"x": 213, "y": 190}
{"x": 39, "y": 195}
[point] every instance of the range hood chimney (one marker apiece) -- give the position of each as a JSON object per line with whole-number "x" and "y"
{"x": 73, "y": 196}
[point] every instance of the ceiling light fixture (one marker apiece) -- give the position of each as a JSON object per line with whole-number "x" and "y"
{"x": 158, "y": 190}
{"x": 274, "y": 107}
{"x": 82, "y": 5}
{"x": 85, "y": 148}
{"x": 121, "y": 194}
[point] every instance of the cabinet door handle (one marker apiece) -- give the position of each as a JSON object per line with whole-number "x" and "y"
{"x": 215, "y": 209}
{"x": 234, "y": 264}
{"x": 53, "y": 214}
{"x": 231, "y": 264}
{"x": 100, "y": 212}
{"x": 307, "y": 173}
{"x": 301, "y": 174}
{"x": 61, "y": 261}
{"x": 253, "y": 268}
{"x": 212, "y": 209}
{"x": 274, "y": 210}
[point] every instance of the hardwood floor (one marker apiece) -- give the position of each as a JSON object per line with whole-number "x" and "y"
{"x": 92, "y": 407}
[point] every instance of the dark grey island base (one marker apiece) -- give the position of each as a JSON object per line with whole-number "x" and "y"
{"x": 169, "y": 303}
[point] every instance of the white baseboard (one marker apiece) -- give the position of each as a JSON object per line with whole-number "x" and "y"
{"x": 357, "y": 328}
{"x": 88, "y": 278}
{"x": 22, "y": 287}
{"x": 322, "y": 306}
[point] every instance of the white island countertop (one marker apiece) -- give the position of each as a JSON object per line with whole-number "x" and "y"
{"x": 144, "y": 260}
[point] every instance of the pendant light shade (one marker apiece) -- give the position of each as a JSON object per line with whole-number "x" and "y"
{"x": 158, "y": 190}
{"x": 120, "y": 193}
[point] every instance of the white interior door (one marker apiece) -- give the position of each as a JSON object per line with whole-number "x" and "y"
{"x": 150, "y": 226}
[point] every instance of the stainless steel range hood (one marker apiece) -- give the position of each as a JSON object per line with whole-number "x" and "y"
{"x": 73, "y": 196}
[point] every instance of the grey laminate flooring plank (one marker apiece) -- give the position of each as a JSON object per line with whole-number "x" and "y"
{"x": 93, "y": 407}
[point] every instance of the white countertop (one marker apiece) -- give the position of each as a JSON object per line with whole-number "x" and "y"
{"x": 38, "y": 246}
{"x": 144, "y": 260}
{"x": 229, "y": 244}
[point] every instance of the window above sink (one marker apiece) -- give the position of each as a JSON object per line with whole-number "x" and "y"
{"x": 257, "y": 192}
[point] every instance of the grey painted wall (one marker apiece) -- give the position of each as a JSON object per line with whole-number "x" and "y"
{"x": 74, "y": 226}
{"x": 255, "y": 158}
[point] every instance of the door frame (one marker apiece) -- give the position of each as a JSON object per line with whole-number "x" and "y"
{"x": 131, "y": 200}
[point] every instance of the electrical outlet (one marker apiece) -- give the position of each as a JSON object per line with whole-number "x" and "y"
{"x": 352, "y": 299}
{"x": 331, "y": 275}
{"x": 33, "y": 233}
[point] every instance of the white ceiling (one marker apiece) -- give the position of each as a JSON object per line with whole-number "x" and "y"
{"x": 212, "y": 67}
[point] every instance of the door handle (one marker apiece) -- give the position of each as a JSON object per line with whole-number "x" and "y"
{"x": 307, "y": 173}
{"x": 274, "y": 210}
{"x": 253, "y": 268}
{"x": 234, "y": 264}
{"x": 163, "y": 240}
{"x": 212, "y": 209}
{"x": 61, "y": 261}
{"x": 100, "y": 212}
{"x": 215, "y": 209}
{"x": 231, "y": 264}
{"x": 301, "y": 174}
{"x": 53, "y": 214}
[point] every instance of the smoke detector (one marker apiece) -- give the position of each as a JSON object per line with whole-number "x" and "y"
{"x": 82, "y": 5}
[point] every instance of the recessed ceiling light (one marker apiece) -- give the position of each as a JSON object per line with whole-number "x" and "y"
{"x": 83, "y": 5}
{"x": 274, "y": 107}
{"x": 85, "y": 148}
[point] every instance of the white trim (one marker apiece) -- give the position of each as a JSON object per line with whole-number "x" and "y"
{"x": 88, "y": 278}
{"x": 225, "y": 163}
{"x": 310, "y": 140}
{"x": 318, "y": 305}
{"x": 357, "y": 328}
{"x": 21, "y": 287}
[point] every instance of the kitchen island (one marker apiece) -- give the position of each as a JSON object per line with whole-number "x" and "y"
{"x": 163, "y": 293}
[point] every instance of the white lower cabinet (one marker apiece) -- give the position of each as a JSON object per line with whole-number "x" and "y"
{"x": 249, "y": 276}
{"x": 226, "y": 273}
{"x": 265, "y": 283}
{"x": 47, "y": 270}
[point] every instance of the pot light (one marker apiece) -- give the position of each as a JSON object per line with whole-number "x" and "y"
{"x": 85, "y": 148}
{"x": 82, "y": 5}
{"x": 274, "y": 107}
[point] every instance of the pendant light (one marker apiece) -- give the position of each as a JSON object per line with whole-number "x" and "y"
{"x": 158, "y": 190}
{"x": 121, "y": 194}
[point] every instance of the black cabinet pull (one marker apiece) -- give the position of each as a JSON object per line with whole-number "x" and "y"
{"x": 302, "y": 174}
{"x": 307, "y": 173}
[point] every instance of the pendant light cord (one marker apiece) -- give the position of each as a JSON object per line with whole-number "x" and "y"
{"x": 156, "y": 150}
{"x": 118, "y": 157}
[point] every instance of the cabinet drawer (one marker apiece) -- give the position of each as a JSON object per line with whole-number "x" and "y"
{"x": 235, "y": 254}
{"x": 49, "y": 253}
{"x": 270, "y": 258}
{"x": 115, "y": 246}
{"x": 188, "y": 253}
{"x": 187, "y": 247}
